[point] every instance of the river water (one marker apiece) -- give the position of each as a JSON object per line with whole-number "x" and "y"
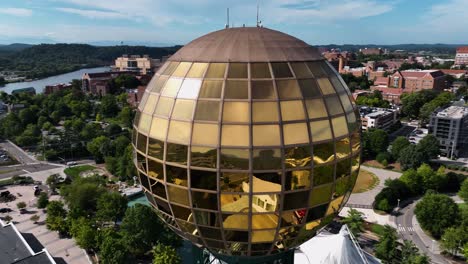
{"x": 39, "y": 85}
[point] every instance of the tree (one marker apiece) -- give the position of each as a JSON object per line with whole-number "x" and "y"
{"x": 84, "y": 233}
{"x": 463, "y": 193}
{"x": 384, "y": 205}
{"x": 374, "y": 141}
{"x": 383, "y": 156}
{"x": 126, "y": 81}
{"x": 429, "y": 147}
{"x": 111, "y": 206}
{"x": 452, "y": 239}
{"x": 53, "y": 181}
{"x": 99, "y": 148}
{"x": 354, "y": 221}
{"x": 113, "y": 129}
{"x": 126, "y": 116}
{"x": 120, "y": 144}
{"x": 34, "y": 218}
{"x": 436, "y": 212}
{"x": 398, "y": 145}
{"x": 410, "y": 157}
{"x": 21, "y": 205}
{"x": 387, "y": 247}
{"x": 113, "y": 251}
{"x": 56, "y": 215}
{"x": 109, "y": 107}
{"x": 410, "y": 254}
{"x": 413, "y": 180}
{"x": 42, "y": 201}
{"x": 163, "y": 254}
{"x": 82, "y": 196}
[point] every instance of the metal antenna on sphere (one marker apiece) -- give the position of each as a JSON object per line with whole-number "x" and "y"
{"x": 227, "y": 24}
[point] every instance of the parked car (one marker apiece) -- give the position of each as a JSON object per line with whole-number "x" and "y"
{"x": 5, "y": 210}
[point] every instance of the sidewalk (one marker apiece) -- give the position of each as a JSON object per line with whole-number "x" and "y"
{"x": 371, "y": 217}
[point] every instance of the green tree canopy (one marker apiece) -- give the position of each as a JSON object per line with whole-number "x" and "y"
{"x": 111, "y": 206}
{"x": 163, "y": 254}
{"x": 354, "y": 221}
{"x": 463, "y": 193}
{"x": 398, "y": 145}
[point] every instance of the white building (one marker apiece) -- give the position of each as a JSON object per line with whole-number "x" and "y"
{"x": 379, "y": 118}
{"x": 135, "y": 63}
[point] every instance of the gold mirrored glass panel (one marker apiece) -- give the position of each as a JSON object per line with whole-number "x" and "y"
{"x": 235, "y": 135}
{"x": 309, "y": 88}
{"x": 171, "y": 88}
{"x": 216, "y": 70}
{"x": 156, "y": 148}
{"x": 288, "y": 89}
{"x": 164, "y": 106}
{"x": 237, "y": 71}
{"x": 324, "y": 153}
{"x": 316, "y": 69}
{"x": 190, "y": 89}
{"x": 178, "y": 195}
{"x": 296, "y": 200}
{"x": 171, "y": 68}
{"x": 176, "y": 153}
{"x": 182, "y": 69}
{"x": 207, "y": 111}
{"x": 197, "y": 70}
{"x": 263, "y": 90}
{"x": 340, "y": 127}
{"x": 176, "y": 175}
{"x": 343, "y": 148}
{"x": 316, "y": 108}
{"x": 301, "y": 70}
{"x": 265, "y": 112}
{"x": 266, "y": 159}
{"x": 205, "y": 134}
{"x": 334, "y": 105}
{"x": 233, "y": 181}
{"x": 281, "y": 70}
{"x": 260, "y": 71}
{"x": 297, "y": 157}
{"x": 158, "y": 84}
{"x": 323, "y": 174}
{"x": 326, "y": 86}
{"x": 211, "y": 89}
{"x": 205, "y": 200}
{"x": 179, "y": 132}
{"x": 235, "y": 203}
{"x": 237, "y": 112}
{"x": 292, "y": 110}
{"x": 264, "y": 221}
{"x": 320, "y": 195}
{"x": 235, "y": 159}
{"x": 159, "y": 128}
{"x": 297, "y": 180}
{"x": 150, "y": 104}
{"x": 183, "y": 109}
{"x": 266, "y": 135}
{"x": 155, "y": 170}
{"x": 320, "y": 130}
{"x": 205, "y": 180}
{"x": 145, "y": 123}
{"x": 204, "y": 157}
{"x": 236, "y": 90}
{"x": 295, "y": 133}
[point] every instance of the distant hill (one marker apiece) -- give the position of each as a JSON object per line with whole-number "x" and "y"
{"x": 50, "y": 59}
{"x": 434, "y": 48}
{"x": 14, "y": 47}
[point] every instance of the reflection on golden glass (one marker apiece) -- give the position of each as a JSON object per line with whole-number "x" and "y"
{"x": 281, "y": 70}
{"x": 320, "y": 130}
{"x": 197, "y": 70}
{"x": 146, "y": 94}
{"x": 204, "y": 157}
{"x": 176, "y": 153}
{"x": 355, "y": 163}
{"x": 337, "y": 83}
{"x": 235, "y": 135}
{"x": 316, "y": 69}
{"x": 266, "y": 135}
{"x": 334, "y": 105}
{"x": 150, "y": 104}
{"x": 156, "y": 148}
{"x": 235, "y": 159}
{"x": 208, "y": 232}
{"x": 183, "y": 109}
{"x": 176, "y": 175}
{"x": 207, "y": 111}
{"x": 205, "y": 134}
{"x": 320, "y": 195}
{"x": 335, "y": 205}
{"x": 288, "y": 89}
{"x": 159, "y": 128}
{"x": 236, "y": 112}
{"x": 205, "y": 200}
{"x": 297, "y": 180}
{"x": 263, "y": 90}
{"x": 340, "y": 127}
{"x": 155, "y": 169}
{"x": 324, "y": 153}
{"x": 179, "y": 132}
{"x": 326, "y": 86}
{"x": 182, "y": 69}
{"x": 266, "y": 159}
{"x": 216, "y": 70}
{"x": 301, "y": 70}
{"x": 157, "y": 188}
{"x": 295, "y": 133}
{"x": 263, "y": 236}
{"x": 296, "y": 200}
{"x": 237, "y": 70}
{"x": 323, "y": 174}
{"x": 265, "y": 112}
{"x": 234, "y": 181}
{"x": 292, "y": 110}
{"x": 145, "y": 123}
{"x": 178, "y": 195}
{"x": 343, "y": 148}
{"x": 158, "y": 85}
{"x": 316, "y": 108}
{"x": 189, "y": 89}
{"x": 353, "y": 124}
{"x": 260, "y": 71}
{"x": 172, "y": 87}
{"x": 211, "y": 89}
{"x": 238, "y": 203}
{"x": 164, "y": 106}
{"x": 309, "y": 88}
{"x": 236, "y": 90}
{"x": 236, "y": 221}
{"x": 343, "y": 168}
{"x": 171, "y": 68}
{"x": 267, "y": 182}
{"x": 348, "y": 107}
{"x": 297, "y": 157}
{"x": 182, "y": 214}
{"x": 342, "y": 185}
{"x": 355, "y": 141}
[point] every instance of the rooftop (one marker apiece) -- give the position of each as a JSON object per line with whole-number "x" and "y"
{"x": 454, "y": 112}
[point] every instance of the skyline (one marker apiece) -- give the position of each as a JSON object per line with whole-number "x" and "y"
{"x": 158, "y": 23}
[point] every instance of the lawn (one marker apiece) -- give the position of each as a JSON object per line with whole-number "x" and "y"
{"x": 392, "y": 166}
{"x": 366, "y": 181}
{"x": 74, "y": 172}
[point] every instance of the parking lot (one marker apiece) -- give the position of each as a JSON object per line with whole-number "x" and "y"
{"x": 5, "y": 158}
{"x": 418, "y": 134}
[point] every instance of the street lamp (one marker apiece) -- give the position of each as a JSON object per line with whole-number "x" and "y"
{"x": 398, "y": 204}
{"x": 432, "y": 245}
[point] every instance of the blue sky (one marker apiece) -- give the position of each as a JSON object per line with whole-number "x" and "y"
{"x": 179, "y": 21}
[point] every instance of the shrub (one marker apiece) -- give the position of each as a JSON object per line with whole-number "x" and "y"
{"x": 383, "y": 205}
{"x": 21, "y": 205}
{"x": 42, "y": 201}
{"x": 382, "y": 156}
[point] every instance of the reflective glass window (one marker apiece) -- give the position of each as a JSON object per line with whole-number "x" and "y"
{"x": 265, "y": 112}
{"x": 159, "y": 128}
{"x": 337, "y": 84}
{"x": 335, "y": 205}
{"x": 316, "y": 213}
{"x": 297, "y": 180}
{"x": 150, "y": 104}
{"x": 326, "y": 86}
{"x": 352, "y": 122}
{"x": 292, "y": 110}
{"x": 206, "y": 218}
{"x": 197, "y": 70}
{"x": 342, "y": 185}
{"x": 234, "y": 203}
{"x": 178, "y": 195}
{"x": 235, "y": 159}
{"x": 320, "y": 195}
{"x": 266, "y": 159}
{"x": 334, "y": 105}
{"x": 316, "y": 69}
{"x": 346, "y": 102}
{"x": 267, "y": 182}
{"x": 182, "y": 69}
{"x": 179, "y": 132}
{"x": 176, "y": 175}
{"x": 156, "y": 148}
{"x": 145, "y": 123}
{"x": 260, "y": 71}
{"x": 183, "y": 109}
{"x": 176, "y": 153}
{"x": 266, "y": 135}
{"x": 343, "y": 168}
{"x": 190, "y": 89}
{"x": 216, "y": 70}
{"x": 297, "y": 156}
{"x": 296, "y": 200}
{"x": 343, "y": 148}
{"x": 355, "y": 141}
{"x": 309, "y": 88}
{"x": 211, "y": 89}
{"x": 263, "y": 90}
{"x": 316, "y": 108}
{"x": 172, "y": 86}
{"x": 205, "y": 134}
{"x": 207, "y": 111}
{"x": 203, "y": 157}
{"x": 164, "y": 106}
{"x": 236, "y": 221}
{"x": 159, "y": 84}
{"x": 323, "y": 174}
{"x": 340, "y": 127}
{"x": 155, "y": 169}
{"x": 237, "y": 70}
{"x": 288, "y": 89}
{"x": 301, "y": 70}
{"x": 233, "y": 181}
{"x": 157, "y": 188}
{"x": 263, "y": 236}
{"x": 236, "y": 112}
{"x": 320, "y": 130}
{"x": 295, "y": 133}
{"x": 235, "y": 135}
{"x": 264, "y": 221}
{"x": 208, "y": 232}
{"x": 171, "y": 68}
{"x": 236, "y": 90}
{"x": 163, "y": 206}
{"x": 324, "y": 153}
{"x": 141, "y": 144}
{"x": 281, "y": 70}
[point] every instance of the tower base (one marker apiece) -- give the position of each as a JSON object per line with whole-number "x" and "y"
{"x": 201, "y": 256}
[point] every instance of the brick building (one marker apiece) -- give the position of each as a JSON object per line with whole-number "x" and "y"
{"x": 461, "y": 58}
{"x": 417, "y": 80}
{"x": 50, "y": 89}
{"x": 135, "y": 63}
{"x": 371, "y": 51}
{"x": 98, "y": 83}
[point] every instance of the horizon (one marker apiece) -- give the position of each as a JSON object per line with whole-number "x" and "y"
{"x": 317, "y": 22}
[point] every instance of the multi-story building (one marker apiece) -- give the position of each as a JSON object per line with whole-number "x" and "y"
{"x": 371, "y": 51}
{"x": 450, "y": 127}
{"x": 417, "y": 80}
{"x": 98, "y": 83}
{"x": 49, "y": 89}
{"x": 135, "y": 63}
{"x": 134, "y": 95}
{"x": 379, "y": 118}
{"x": 461, "y": 58}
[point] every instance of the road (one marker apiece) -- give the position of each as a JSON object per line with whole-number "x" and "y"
{"x": 409, "y": 229}
{"x": 20, "y": 155}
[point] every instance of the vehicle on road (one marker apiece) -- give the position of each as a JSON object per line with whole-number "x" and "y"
{"x": 5, "y": 210}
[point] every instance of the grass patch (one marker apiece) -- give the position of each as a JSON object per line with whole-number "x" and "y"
{"x": 375, "y": 164}
{"x": 366, "y": 181}
{"x": 6, "y": 171}
{"x": 377, "y": 229}
{"x": 74, "y": 172}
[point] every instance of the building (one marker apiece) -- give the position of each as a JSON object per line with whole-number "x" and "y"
{"x": 135, "y": 63}
{"x": 379, "y": 118}
{"x": 461, "y": 58}
{"x": 50, "y": 89}
{"x": 98, "y": 83}
{"x": 450, "y": 126}
{"x": 134, "y": 96}
{"x": 228, "y": 134}
{"x": 417, "y": 80}
{"x": 16, "y": 249}
{"x": 389, "y": 94}
{"x": 28, "y": 90}
{"x": 456, "y": 73}
{"x": 371, "y": 51}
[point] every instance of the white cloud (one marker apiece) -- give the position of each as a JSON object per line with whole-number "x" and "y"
{"x": 94, "y": 14}
{"x": 21, "y": 12}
